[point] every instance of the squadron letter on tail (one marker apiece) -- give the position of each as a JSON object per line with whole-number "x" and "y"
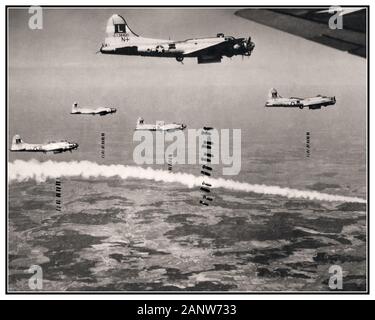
{"x": 275, "y": 100}
{"x": 122, "y": 40}
{"x": 87, "y": 110}
{"x": 18, "y": 145}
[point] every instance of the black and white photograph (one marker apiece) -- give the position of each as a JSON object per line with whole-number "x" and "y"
{"x": 190, "y": 149}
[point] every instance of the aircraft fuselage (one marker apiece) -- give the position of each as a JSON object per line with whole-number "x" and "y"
{"x": 89, "y": 111}
{"x": 311, "y": 103}
{"x": 55, "y": 147}
{"x": 160, "y": 127}
{"x": 207, "y": 50}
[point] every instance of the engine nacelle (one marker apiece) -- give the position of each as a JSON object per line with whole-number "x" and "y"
{"x": 314, "y": 107}
{"x": 209, "y": 59}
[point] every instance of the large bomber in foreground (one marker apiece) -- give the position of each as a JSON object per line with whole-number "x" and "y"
{"x": 121, "y": 40}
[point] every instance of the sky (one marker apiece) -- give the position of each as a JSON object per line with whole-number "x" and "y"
{"x": 51, "y": 68}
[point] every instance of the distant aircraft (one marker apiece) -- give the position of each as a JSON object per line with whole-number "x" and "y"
{"x": 86, "y": 110}
{"x": 159, "y": 126}
{"x": 122, "y": 40}
{"x": 55, "y": 147}
{"x": 275, "y": 100}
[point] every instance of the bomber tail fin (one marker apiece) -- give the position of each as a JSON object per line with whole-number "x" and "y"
{"x": 74, "y": 106}
{"x": 16, "y": 142}
{"x": 140, "y": 121}
{"x": 117, "y": 26}
{"x": 272, "y": 94}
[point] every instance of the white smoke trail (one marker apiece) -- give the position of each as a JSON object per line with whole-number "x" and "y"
{"x": 21, "y": 170}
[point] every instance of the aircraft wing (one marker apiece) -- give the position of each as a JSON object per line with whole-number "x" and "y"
{"x": 102, "y": 112}
{"x": 312, "y": 24}
{"x": 208, "y": 48}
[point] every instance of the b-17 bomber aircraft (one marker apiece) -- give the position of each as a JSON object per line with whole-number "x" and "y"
{"x": 275, "y": 100}
{"x": 121, "y": 40}
{"x": 56, "y": 147}
{"x": 159, "y": 126}
{"x": 86, "y": 110}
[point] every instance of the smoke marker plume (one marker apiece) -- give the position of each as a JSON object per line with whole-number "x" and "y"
{"x": 20, "y": 170}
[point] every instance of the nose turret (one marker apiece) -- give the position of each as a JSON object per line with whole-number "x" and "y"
{"x": 249, "y": 46}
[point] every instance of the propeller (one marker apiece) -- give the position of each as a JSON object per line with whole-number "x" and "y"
{"x": 248, "y": 43}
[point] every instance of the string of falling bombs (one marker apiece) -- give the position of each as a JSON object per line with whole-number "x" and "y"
{"x": 169, "y": 161}
{"x": 206, "y": 169}
{"x": 58, "y": 194}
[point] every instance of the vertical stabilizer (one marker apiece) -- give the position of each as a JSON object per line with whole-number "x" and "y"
{"x": 272, "y": 94}
{"x": 117, "y": 26}
{"x": 16, "y": 142}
